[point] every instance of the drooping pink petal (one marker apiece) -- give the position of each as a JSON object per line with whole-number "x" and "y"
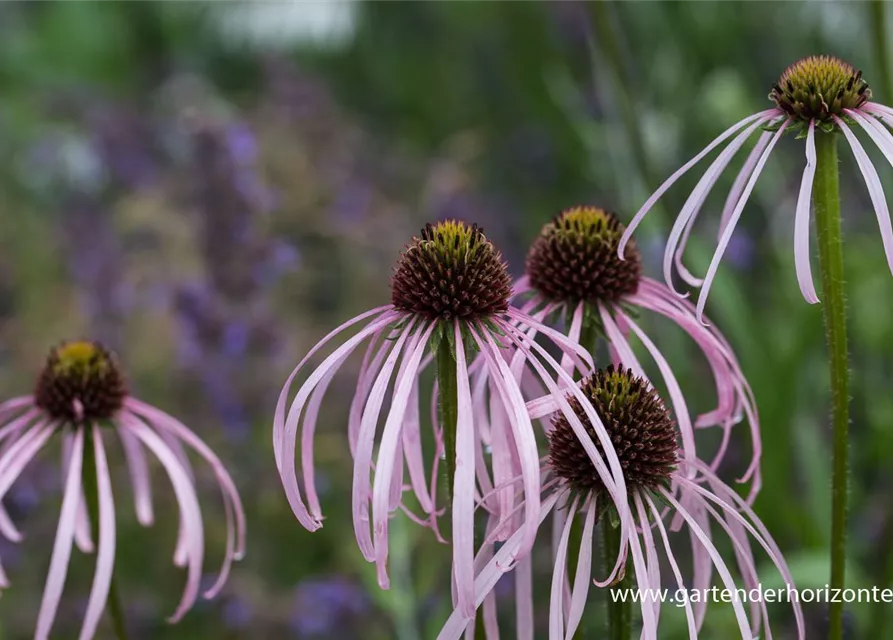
{"x": 83, "y": 535}
{"x": 62, "y": 546}
{"x": 583, "y": 573}
{"x": 613, "y": 480}
{"x": 20, "y": 454}
{"x": 8, "y": 529}
{"x": 669, "y": 182}
{"x": 308, "y": 434}
{"x": 801, "y": 222}
{"x": 653, "y": 575}
{"x": 619, "y": 343}
{"x": 741, "y": 179}
{"x": 733, "y": 220}
{"x": 368, "y": 371}
{"x": 520, "y": 428}
{"x": 493, "y": 571}
{"x": 573, "y": 334}
{"x": 875, "y": 189}
{"x": 680, "y": 407}
{"x": 190, "y": 512}
{"x": 689, "y": 615}
{"x": 579, "y": 354}
{"x": 412, "y": 449}
{"x": 559, "y": 571}
{"x": 721, "y": 568}
{"x": 387, "y": 451}
{"x": 686, "y": 219}
{"x": 361, "y": 488}
{"x": 233, "y": 508}
{"x": 105, "y": 558}
{"x": 524, "y": 598}
{"x": 139, "y": 477}
{"x": 279, "y": 416}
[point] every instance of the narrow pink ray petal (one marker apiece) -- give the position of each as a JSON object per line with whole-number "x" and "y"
{"x": 308, "y": 433}
{"x": 83, "y": 535}
{"x": 361, "y": 487}
{"x": 573, "y": 335}
{"x": 10, "y": 431}
{"x": 524, "y": 598}
{"x": 692, "y": 207}
{"x": 502, "y": 460}
{"x": 653, "y": 576}
{"x": 139, "y": 477}
{"x": 105, "y": 558}
{"x": 875, "y": 189}
{"x": 746, "y": 567}
{"x": 733, "y": 220}
{"x": 492, "y": 572}
{"x": 583, "y": 573}
{"x": 726, "y": 498}
{"x": 619, "y": 343}
{"x": 741, "y": 179}
{"x": 520, "y": 429}
{"x": 279, "y": 416}
{"x": 58, "y": 570}
{"x": 801, "y": 222}
{"x": 7, "y": 528}
{"x": 368, "y": 371}
{"x": 412, "y": 449}
{"x": 522, "y": 285}
{"x": 463, "y": 483}
{"x": 234, "y": 510}
{"x": 649, "y": 623}
{"x": 669, "y": 182}
{"x": 614, "y": 481}
{"x": 190, "y": 512}
{"x": 721, "y": 568}
{"x": 680, "y": 407}
{"x": 21, "y": 453}
{"x": 581, "y": 356}
{"x": 559, "y": 571}
{"x": 689, "y": 615}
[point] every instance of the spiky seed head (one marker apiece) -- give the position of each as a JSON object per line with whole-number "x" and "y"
{"x": 81, "y": 381}
{"x": 640, "y": 427}
{"x": 574, "y": 259}
{"x": 451, "y": 270}
{"x": 819, "y": 87}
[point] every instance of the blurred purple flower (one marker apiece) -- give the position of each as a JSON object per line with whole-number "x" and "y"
{"x": 325, "y": 605}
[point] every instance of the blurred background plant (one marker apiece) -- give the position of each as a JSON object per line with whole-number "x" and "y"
{"x": 209, "y": 188}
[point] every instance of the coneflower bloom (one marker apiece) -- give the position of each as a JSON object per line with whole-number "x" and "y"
{"x": 663, "y": 497}
{"x": 450, "y": 292}
{"x": 81, "y": 395}
{"x": 573, "y": 273}
{"x": 819, "y": 95}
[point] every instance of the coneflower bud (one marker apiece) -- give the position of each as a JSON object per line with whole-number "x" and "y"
{"x": 819, "y": 88}
{"x": 638, "y": 423}
{"x": 81, "y": 382}
{"x": 451, "y": 271}
{"x": 575, "y": 259}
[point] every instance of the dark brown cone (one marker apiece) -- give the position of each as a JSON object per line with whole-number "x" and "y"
{"x": 85, "y": 373}
{"x": 451, "y": 271}
{"x": 638, "y": 423}
{"x": 574, "y": 259}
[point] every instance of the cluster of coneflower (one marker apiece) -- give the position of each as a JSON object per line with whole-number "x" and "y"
{"x": 540, "y": 408}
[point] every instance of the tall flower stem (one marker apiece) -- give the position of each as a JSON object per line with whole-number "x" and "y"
{"x": 878, "y": 19}
{"x": 91, "y": 495}
{"x": 449, "y": 406}
{"x": 826, "y": 202}
{"x": 620, "y": 612}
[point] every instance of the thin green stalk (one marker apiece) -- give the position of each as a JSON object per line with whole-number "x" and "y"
{"x": 91, "y": 494}
{"x": 449, "y": 407}
{"x": 878, "y": 19}
{"x": 620, "y": 611}
{"x": 826, "y": 202}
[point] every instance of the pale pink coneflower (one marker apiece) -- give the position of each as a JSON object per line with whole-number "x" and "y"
{"x": 819, "y": 92}
{"x": 81, "y": 395}
{"x": 573, "y": 274}
{"x": 450, "y": 294}
{"x": 663, "y": 498}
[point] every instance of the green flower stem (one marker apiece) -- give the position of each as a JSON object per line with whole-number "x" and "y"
{"x": 620, "y": 612}
{"x": 826, "y": 202}
{"x": 878, "y": 19}
{"x": 449, "y": 406}
{"x": 91, "y": 494}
